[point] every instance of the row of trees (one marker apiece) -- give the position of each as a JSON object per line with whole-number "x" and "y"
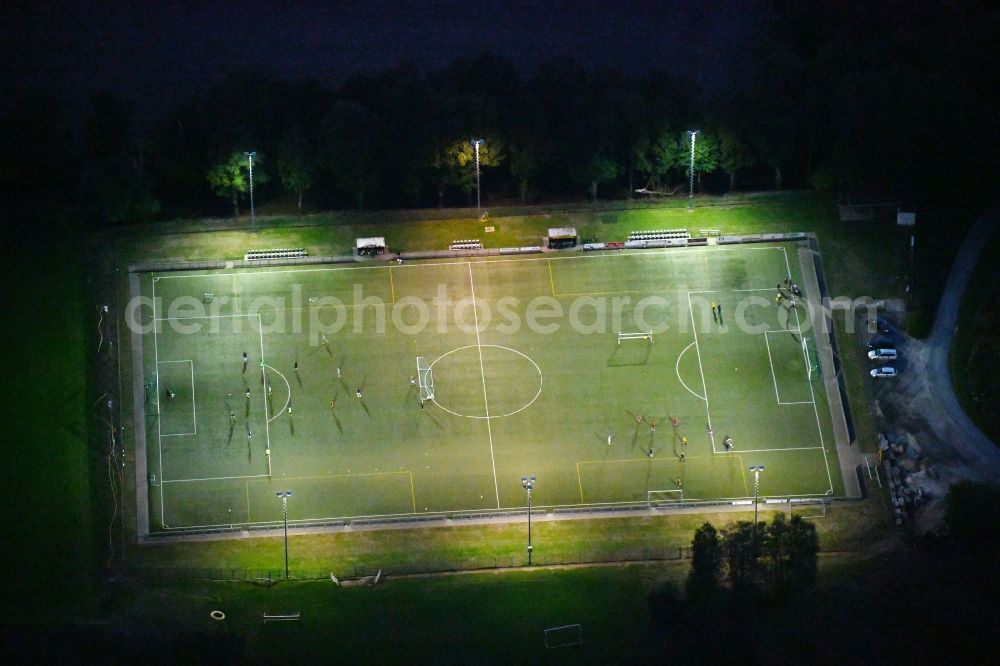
{"x": 835, "y": 96}
{"x": 777, "y": 557}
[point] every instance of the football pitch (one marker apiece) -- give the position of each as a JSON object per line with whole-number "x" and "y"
{"x": 378, "y": 390}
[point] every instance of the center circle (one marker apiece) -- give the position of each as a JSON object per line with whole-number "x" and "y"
{"x": 485, "y": 381}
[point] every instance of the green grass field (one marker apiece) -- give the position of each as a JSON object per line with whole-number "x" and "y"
{"x": 529, "y": 378}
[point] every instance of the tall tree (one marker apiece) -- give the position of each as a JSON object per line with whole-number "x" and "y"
{"x": 230, "y": 177}
{"x": 296, "y": 164}
{"x": 734, "y": 154}
{"x": 706, "y": 561}
{"x": 740, "y": 548}
{"x": 350, "y": 130}
{"x": 455, "y": 164}
{"x": 114, "y": 187}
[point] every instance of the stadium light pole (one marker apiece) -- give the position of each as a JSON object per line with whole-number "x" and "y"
{"x": 756, "y": 470}
{"x": 692, "y": 134}
{"x": 475, "y": 144}
{"x": 250, "y": 155}
{"x": 529, "y": 484}
{"x": 284, "y": 495}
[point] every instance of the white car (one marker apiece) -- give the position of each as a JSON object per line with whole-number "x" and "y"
{"x": 884, "y": 371}
{"x": 882, "y": 354}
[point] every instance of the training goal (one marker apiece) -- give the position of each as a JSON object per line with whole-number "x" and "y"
{"x": 641, "y": 335}
{"x": 564, "y": 636}
{"x": 657, "y": 498}
{"x": 425, "y": 379}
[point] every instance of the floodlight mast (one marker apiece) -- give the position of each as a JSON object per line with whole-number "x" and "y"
{"x": 250, "y": 155}
{"x": 284, "y": 495}
{"x": 475, "y": 144}
{"x": 528, "y": 482}
{"x": 692, "y": 134}
{"x": 755, "y": 470}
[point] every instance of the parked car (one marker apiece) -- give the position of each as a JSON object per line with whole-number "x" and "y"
{"x": 884, "y": 371}
{"x": 880, "y": 341}
{"x": 882, "y": 354}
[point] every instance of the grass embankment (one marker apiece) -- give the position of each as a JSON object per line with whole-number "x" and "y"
{"x": 846, "y": 527}
{"x": 48, "y": 536}
{"x": 975, "y": 350}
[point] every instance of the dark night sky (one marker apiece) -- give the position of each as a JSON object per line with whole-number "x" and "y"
{"x": 152, "y": 52}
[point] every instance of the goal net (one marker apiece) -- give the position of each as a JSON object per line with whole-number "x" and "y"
{"x": 425, "y": 379}
{"x": 565, "y": 636}
{"x": 812, "y": 359}
{"x": 641, "y": 335}
{"x": 657, "y": 498}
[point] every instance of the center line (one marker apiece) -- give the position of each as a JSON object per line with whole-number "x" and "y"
{"x": 482, "y": 370}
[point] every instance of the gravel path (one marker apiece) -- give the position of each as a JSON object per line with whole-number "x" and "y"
{"x": 923, "y": 399}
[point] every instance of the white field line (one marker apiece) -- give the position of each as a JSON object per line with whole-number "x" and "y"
{"x": 482, "y": 369}
{"x": 812, "y": 393}
{"x": 465, "y": 260}
{"x": 789, "y": 448}
{"x": 217, "y": 478}
{"x": 770, "y": 362}
{"x": 178, "y": 434}
{"x": 701, "y": 370}
{"x": 215, "y": 316}
{"x": 281, "y": 411}
{"x": 263, "y": 394}
{"x": 159, "y": 429}
{"x": 677, "y": 369}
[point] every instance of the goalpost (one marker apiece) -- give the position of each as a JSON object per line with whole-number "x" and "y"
{"x": 657, "y": 498}
{"x": 812, "y": 360}
{"x": 564, "y": 636}
{"x": 642, "y": 335}
{"x": 425, "y": 379}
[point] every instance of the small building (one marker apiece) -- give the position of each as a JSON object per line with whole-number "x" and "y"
{"x": 370, "y": 247}
{"x": 560, "y": 237}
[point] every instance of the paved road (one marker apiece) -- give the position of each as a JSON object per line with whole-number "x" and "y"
{"x": 925, "y": 393}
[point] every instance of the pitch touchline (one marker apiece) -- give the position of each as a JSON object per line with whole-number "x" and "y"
{"x": 482, "y": 370}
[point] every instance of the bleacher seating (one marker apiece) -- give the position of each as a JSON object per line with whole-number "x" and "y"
{"x": 280, "y": 253}
{"x": 471, "y": 244}
{"x": 662, "y": 234}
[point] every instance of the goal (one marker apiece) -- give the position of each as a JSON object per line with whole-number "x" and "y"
{"x": 564, "y": 636}
{"x": 642, "y": 335}
{"x": 812, "y": 360}
{"x": 425, "y": 379}
{"x": 658, "y": 498}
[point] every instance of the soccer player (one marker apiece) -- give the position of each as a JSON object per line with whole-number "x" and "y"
{"x": 650, "y": 454}
{"x": 413, "y": 381}
{"x": 609, "y": 440}
{"x": 674, "y": 421}
{"x": 232, "y": 416}
{"x": 338, "y": 373}
{"x": 638, "y": 418}
{"x": 248, "y": 393}
{"x": 684, "y": 441}
{"x": 359, "y": 391}
{"x": 682, "y": 456}
{"x": 652, "y": 426}
{"x": 333, "y": 403}
{"x": 289, "y": 407}
{"x": 322, "y": 340}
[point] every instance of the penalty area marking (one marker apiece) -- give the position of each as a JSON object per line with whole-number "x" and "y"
{"x": 677, "y": 369}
